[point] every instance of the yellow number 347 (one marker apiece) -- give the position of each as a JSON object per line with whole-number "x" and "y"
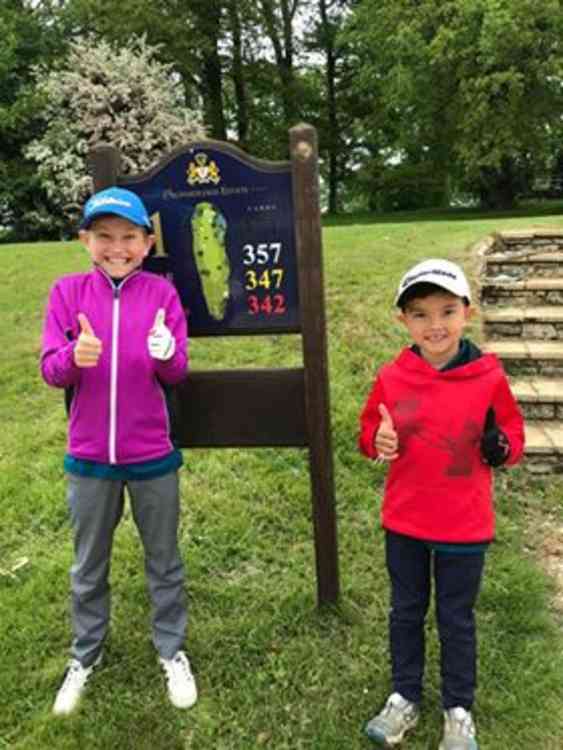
{"x": 270, "y": 278}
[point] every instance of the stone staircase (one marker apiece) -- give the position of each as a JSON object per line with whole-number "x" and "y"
{"x": 521, "y": 292}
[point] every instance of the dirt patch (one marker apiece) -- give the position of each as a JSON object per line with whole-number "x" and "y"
{"x": 547, "y": 548}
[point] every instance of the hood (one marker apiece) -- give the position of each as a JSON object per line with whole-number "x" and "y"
{"x": 410, "y": 361}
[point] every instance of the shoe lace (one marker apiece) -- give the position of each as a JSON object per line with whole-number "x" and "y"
{"x": 178, "y": 668}
{"x": 72, "y": 676}
{"x": 462, "y": 722}
{"x": 397, "y": 707}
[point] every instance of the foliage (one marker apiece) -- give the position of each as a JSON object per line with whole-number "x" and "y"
{"x": 274, "y": 672}
{"x": 475, "y": 85}
{"x": 406, "y": 187}
{"x": 104, "y": 94}
{"x": 224, "y": 53}
{"x": 468, "y": 91}
{"x": 26, "y": 41}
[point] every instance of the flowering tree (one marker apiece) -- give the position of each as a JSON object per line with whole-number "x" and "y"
{"x": 122, "y": 96}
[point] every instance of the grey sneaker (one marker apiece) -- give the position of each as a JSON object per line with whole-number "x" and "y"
{"x": 73, "y": 684}
{"x": 390, "y": 725}
{"x": 459, "y": 730}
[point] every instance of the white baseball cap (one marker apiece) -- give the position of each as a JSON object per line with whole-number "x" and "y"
{"x": 442, "y": 273}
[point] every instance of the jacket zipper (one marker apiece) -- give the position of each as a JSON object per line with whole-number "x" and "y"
{"x": 112, "y": 438}
{"x": 113, "y": 377}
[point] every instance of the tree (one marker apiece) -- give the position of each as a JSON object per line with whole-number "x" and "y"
{"x": 236, "y": 57}
{"x": 470, "y": 88}
{"x": 29, "y": 35}
{"x": 122, "y": 96}
{"x": 332, "y": 91}
{"x": 278, "y": 18}
{"x": 186, "y": 35}
{"x": 208, "y": 23}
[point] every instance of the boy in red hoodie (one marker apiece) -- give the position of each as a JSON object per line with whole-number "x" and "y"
{"x": 442, "y": 414}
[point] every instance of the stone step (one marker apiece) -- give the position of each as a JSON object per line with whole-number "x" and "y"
{"x": 523, "y": 357}
{"x": 544, "y": 447}
{"x": 522, "y": 298}
{"x": 539, "y": 398}
{"x": 516, "y": 267}
{"x": 544, "y": 323}
{"x": 533, "y": 292}
{"x": 514, "y": 239}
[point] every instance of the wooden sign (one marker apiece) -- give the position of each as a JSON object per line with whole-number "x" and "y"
{"x": 241, "y": 240}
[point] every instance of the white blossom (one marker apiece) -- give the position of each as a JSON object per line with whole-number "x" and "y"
{"x": 103, "y": 94}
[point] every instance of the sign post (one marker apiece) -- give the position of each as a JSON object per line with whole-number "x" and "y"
{"x": 240, "y": 238}
{"x": 304, "y": 159}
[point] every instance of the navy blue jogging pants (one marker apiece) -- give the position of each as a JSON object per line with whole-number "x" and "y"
{"x": 412, "y": 564}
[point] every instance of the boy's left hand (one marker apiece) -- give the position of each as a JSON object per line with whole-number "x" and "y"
{"x": 161, "y": 342}
{"x": 495, "y": 447}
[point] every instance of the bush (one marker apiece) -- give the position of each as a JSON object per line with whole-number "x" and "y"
{"x": 123, "y": 96}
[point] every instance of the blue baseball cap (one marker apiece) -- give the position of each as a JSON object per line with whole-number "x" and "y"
{"x": 119, "y": 202}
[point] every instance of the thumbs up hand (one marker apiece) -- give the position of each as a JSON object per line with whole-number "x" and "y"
{"x": 88, "y": 346}
{"x": 386, "y": 439}
{"x": 161, "y": 342}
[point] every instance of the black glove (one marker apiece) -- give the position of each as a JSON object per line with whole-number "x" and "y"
{"x": 495, "y": 447}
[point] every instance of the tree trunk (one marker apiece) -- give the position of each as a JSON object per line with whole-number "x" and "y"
{"x": 499, "y": 187}
{"x": 238, "y": 75}
{"x": 211, "y": 87}
{"x": 283, "y": 50}
{"x": 332, "y": 145}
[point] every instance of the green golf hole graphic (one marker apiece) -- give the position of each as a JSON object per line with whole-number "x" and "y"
{"x": 209, "y": 229}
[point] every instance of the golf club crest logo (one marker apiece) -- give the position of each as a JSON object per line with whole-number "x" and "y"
{"x": 201, "y": 171}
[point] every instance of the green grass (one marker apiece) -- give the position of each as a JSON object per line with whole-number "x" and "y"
{"x": 273, "y": 670}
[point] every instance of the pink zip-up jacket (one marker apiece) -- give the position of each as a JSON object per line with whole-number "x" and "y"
{"x": 118, "y": 413}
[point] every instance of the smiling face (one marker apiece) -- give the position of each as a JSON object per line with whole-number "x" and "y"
{"x": 116, "y": 245}
{"x": 436, "y": 324}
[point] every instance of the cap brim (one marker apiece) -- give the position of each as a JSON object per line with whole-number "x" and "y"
{"x": 463, "y": 294}
{"x": 109, "y": 212}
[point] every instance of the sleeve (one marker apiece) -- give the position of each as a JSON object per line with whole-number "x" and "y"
{"x": 370, "y": 420}
{"x": 57, "y": 350}
{"x": 175, "y": 369}
{"x": 509, "y": 420}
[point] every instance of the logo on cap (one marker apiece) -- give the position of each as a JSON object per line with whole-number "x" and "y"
{"x": 434, "y": 271}
{"x": 97, "y": 202}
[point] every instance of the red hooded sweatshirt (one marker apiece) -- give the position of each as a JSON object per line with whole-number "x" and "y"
{"x": 439, "y": 489}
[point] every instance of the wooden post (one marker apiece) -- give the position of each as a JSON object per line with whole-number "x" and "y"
{"x": 104, "y": 164}
{"x": 304, "y": 159}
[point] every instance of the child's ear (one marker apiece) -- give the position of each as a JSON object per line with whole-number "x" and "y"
{"x": 401, "y": 318}
{"x": 84, "y": 237}
{"x": 149, "y": 243}
{"x": 470, "y": 312}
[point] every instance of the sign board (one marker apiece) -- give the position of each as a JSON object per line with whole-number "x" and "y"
{"x": 225, "y": 237}
{"x": 241, "y": 240}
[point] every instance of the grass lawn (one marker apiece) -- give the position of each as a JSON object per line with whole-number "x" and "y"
{"x": 273, "y": 671}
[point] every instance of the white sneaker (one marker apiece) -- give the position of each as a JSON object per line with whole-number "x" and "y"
{"x": 459, "y": 730}
{"x": 182, "y": 689}
{"x": 74, "y": 682}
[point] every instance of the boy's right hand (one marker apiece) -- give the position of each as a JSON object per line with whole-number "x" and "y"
{"x": 88, "y": 346}
{"x": 386, "y": 439}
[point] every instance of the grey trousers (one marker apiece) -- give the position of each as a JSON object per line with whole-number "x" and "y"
{"x": 96, "y": 507}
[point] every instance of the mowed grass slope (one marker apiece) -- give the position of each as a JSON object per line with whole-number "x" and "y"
{"x": 273, "y": 670}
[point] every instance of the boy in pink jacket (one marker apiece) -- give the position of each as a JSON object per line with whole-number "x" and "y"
{"x": 115, "y": 336}
{"x": 442, "y": 414}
